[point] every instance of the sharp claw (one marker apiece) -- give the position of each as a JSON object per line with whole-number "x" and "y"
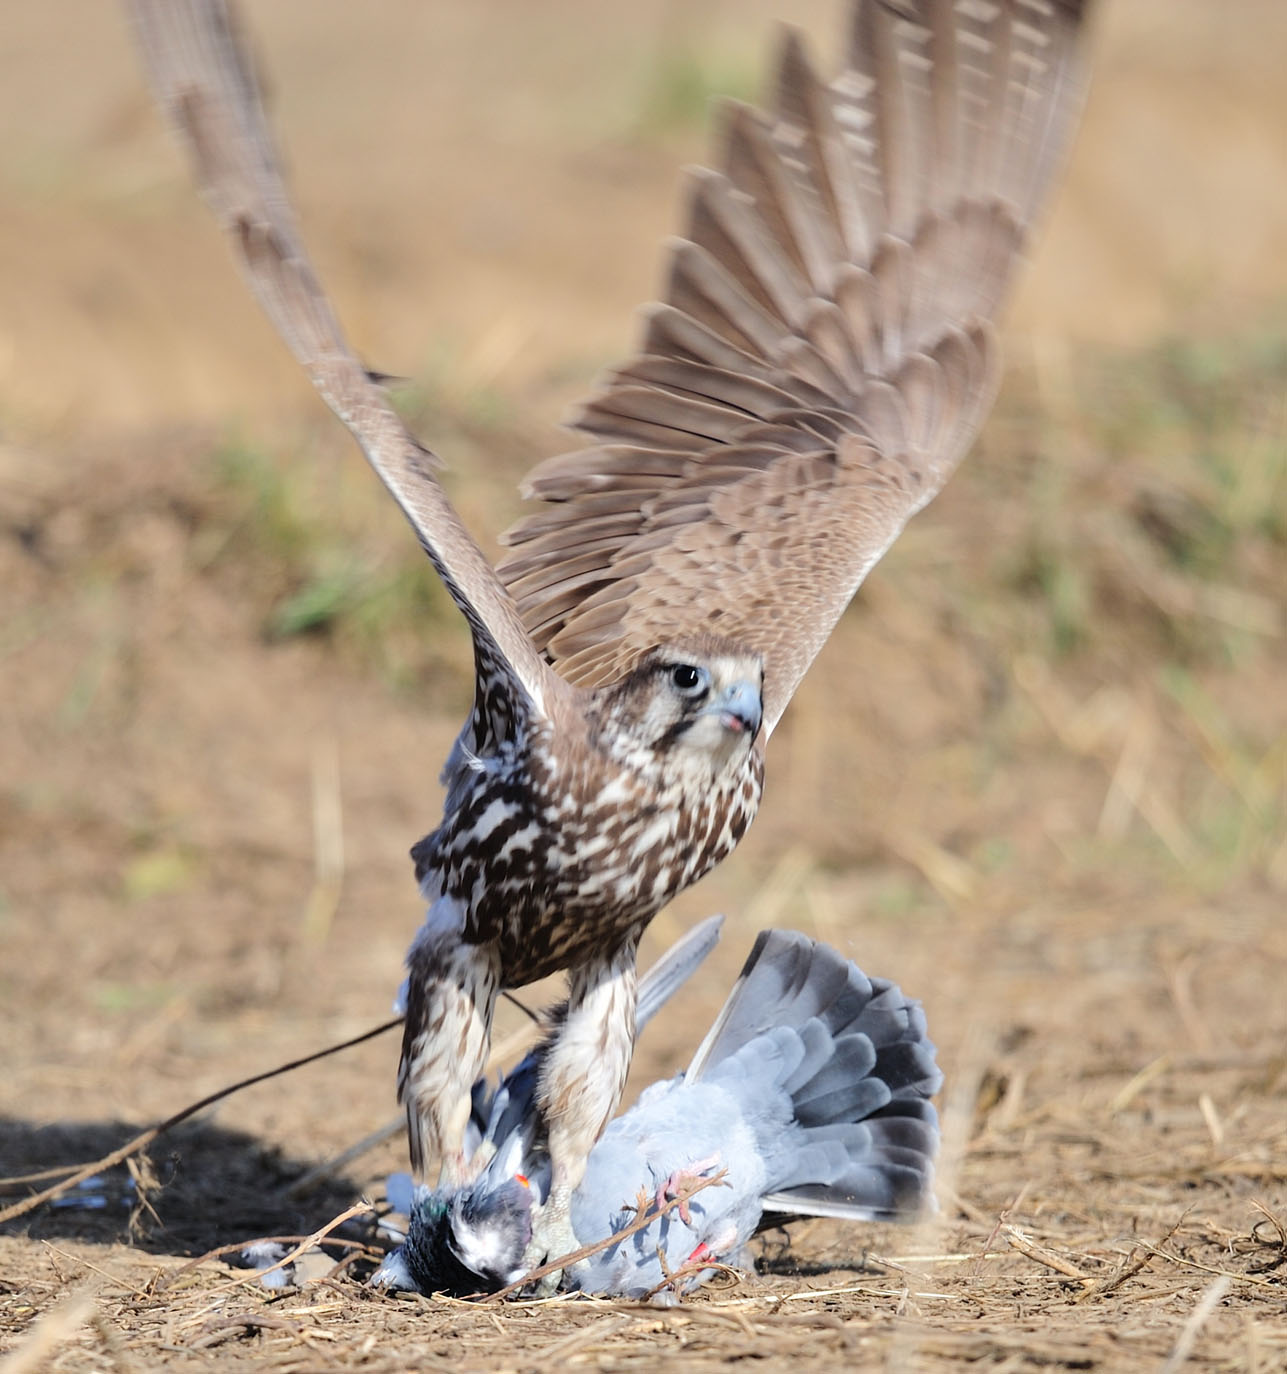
{"x": 552, "y": 1236}
{"x": 671, "y": 1189}
{"x": 549, "y": 1285}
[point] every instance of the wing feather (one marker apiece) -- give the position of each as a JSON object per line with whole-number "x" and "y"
{"x": 823, "y": 355}
{"x": 206, "y": 84}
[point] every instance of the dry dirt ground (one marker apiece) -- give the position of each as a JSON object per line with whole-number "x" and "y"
{"x": 1039, "y": 777}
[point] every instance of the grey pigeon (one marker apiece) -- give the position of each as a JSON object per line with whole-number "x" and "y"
{"x": 811, "y": 1091}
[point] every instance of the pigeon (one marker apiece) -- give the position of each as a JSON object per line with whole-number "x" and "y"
{"x": 809, "y": 1096}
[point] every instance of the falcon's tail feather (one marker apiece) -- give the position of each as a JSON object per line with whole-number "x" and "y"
{"x": 674, "y": 968}
{"x": 853, "y": 1055}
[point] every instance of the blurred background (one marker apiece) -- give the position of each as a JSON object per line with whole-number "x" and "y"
{"x": 1040, "y": 774}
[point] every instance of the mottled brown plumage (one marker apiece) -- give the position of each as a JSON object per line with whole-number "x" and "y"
{"x": 564, "y": 844}
{"x": 822, "y": 358}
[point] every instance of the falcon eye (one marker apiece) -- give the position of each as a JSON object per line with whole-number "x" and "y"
{"x": 690, "y": 680}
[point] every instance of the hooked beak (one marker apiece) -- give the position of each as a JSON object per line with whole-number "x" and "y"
{"x": 739, "y": 708}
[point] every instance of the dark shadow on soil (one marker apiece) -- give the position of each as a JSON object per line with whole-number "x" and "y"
{"x": 776, "y": 1256}
{"x": 788, "y": 1266}
{"x": 204, "y": 1187}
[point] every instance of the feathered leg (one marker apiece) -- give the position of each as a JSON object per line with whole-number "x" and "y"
{"x": 451, "y": 992}
{"x": 582, "y": 1079}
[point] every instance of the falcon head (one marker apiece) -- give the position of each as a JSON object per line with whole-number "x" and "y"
{"x": 690, "y": 706}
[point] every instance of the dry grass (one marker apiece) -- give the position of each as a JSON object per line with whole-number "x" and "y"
{"x": 1040, "y": 776}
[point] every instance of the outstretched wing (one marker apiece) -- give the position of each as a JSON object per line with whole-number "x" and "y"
{"x": 207, "y": 87}
{"x": 823, "y": 356}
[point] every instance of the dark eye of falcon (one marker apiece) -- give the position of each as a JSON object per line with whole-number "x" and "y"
{"x": 690, "y": 680}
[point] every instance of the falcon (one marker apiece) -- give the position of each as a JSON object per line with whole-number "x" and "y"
{"x": 821, "y": 359}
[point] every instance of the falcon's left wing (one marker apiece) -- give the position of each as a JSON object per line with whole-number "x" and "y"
{"x": 205, "y": 82}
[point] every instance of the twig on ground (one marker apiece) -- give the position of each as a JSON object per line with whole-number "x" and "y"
{"x": 1025, "y": 1246}
{"x": 578, "y": 1341}
{"x": 342, "y": 1266}
{"x": 59, "y": 1324}
{"x": 221, "y": 1328}
{"x": 675, "y": 1277}
{"x": 1211, "y": 1269}
{"x": 89, "y": 1264}
{"x": 239, "y": 1245}
{"x": 145, "y": 1138}
{"x": 254, "y": 1275}
{"x": 1268, "y": 1218}
{"x": 1198, "y": 1318}
{"x": 806, "y": 1294}
{"x": 1138, "y": 1259}
{"x": 1162, "y": 1064}
{"x": 15, "y": 1181}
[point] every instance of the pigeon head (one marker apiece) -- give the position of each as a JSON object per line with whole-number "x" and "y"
{"x": 471, "y": 1241}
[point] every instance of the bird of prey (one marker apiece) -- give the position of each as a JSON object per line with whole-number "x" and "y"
{"x": 820, "y": 361}
{"x": 811, "y": 1092}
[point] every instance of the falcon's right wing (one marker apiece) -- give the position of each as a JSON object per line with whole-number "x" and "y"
{"x": 823, "y": 354}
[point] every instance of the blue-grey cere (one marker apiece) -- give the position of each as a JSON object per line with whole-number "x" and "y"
{"x": 811, "y": 1090}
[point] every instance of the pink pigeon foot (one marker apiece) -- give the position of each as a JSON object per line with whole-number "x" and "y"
{"x": 682, "y": 1178}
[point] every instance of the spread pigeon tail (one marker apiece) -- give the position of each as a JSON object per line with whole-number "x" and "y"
{"x": 853, "y": 1054}
{"x": 811, "y": 1091}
